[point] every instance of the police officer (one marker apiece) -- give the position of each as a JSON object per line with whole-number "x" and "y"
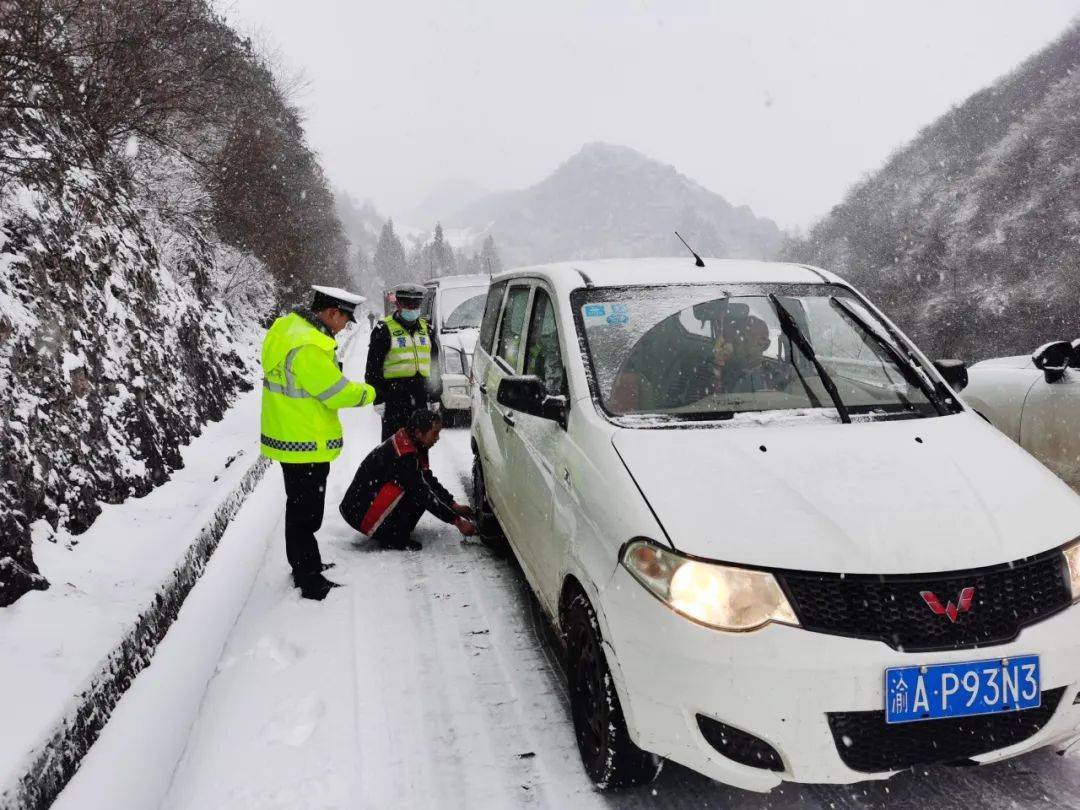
{"x": 401, "y": 354}
{"x": 394, "y": 486}
{"x": 303, "y": 388}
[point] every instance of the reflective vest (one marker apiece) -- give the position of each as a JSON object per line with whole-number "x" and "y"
{"x": 303, "y": 388}
{"x": 410, "y": 352}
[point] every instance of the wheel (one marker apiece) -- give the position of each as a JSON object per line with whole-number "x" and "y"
{"x": 488, "y": 528}
{"x": 610, "y": 758}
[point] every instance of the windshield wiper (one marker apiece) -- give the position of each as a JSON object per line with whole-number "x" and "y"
{"x": 795, "y": 335}
{"x": 905, "y": 363}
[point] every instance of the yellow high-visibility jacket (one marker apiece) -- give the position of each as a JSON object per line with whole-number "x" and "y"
{"x": 410, "y": 352}
{"x": 303, "y": 388}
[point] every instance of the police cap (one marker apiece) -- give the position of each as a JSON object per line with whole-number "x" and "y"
{"x": 409, "y": 293}
{"x": 327, "y": 297}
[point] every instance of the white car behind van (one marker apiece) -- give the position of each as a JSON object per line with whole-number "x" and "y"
{"x": 453, "y": 307}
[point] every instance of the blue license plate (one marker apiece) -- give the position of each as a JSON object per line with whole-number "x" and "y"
{"x": 958, "y": 690}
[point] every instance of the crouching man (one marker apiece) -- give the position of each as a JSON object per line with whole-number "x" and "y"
{"x": 395, "y": 486}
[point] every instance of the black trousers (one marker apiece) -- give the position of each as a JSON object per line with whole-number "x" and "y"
{"x": 397, "y": 527}
{"x": 305, "y": 496}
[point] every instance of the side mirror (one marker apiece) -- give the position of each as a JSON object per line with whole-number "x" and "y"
{"x": 1053, "y": 359}
{"x": 528, "y": 394}
{"x": 954, "y": 372}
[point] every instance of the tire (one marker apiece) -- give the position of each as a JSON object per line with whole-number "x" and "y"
{"x": 489, "y": 530}
{"x": 611, "y": 759}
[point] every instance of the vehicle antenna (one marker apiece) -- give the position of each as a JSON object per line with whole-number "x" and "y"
{"x": 697, "y": 259}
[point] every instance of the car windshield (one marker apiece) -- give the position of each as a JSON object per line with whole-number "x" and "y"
{"x": 700, "y": 352}
{"x": 462, "y": 307}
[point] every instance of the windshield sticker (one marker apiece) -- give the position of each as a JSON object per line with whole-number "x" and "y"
{"x": 610, "y": 314}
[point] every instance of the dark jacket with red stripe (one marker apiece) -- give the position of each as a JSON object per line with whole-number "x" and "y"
{"x": 395, "y": 470}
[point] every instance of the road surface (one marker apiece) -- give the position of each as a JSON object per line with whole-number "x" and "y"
{"x": 429, "y": 680}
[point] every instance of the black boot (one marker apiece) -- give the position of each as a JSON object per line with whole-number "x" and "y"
{"x": 314, "y": 586}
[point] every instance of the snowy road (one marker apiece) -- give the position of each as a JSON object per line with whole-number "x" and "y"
{"x": 428, "y": 681}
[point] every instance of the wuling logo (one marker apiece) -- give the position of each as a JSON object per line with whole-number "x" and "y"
{"x": 963, "y": 604}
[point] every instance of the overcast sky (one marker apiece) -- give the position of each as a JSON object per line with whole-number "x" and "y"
{"x": 777, "y": 104}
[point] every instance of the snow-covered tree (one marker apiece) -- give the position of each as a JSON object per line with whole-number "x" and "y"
{"x": 490, "y": 262}
{"x": 440, "y": 254}
{"x": 389, "y": 260}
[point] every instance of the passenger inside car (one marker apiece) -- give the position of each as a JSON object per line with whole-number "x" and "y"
{"x": 740, "y": 364}
{"x": 679, "y": 361}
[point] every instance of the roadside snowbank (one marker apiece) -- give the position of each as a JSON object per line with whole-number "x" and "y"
{"x": 70, "y": 651}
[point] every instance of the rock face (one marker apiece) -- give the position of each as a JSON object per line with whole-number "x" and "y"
{"x": 970, "y": 235}
{"x": 113, "y": 349}
{"x": 610, "y": 201}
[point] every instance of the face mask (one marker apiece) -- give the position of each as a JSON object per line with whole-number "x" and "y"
{"x": 410, "y": 315}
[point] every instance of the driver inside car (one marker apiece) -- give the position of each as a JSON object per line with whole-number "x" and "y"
{"x": 740, "y": 365}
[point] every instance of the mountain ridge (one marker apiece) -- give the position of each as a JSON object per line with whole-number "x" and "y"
{"x": 609, "y": 200}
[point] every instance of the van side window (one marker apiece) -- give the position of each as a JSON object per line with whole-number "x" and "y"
{"x": 427, "y": 306}
{"x": 542, "y": 355}
{"x": 491, "y": 315}
{"x": 513, "y": 324}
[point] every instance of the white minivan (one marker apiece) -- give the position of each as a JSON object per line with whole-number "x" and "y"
{"x": 453, "y": 306}
{"x": 775, "y": 543}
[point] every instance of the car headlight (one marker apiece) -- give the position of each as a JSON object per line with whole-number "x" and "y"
{"x": 1072, "y": 559}
{"x": 720, "y": 596}
{"x": 453, "y": 362}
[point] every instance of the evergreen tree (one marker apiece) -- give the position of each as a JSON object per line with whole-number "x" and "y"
{"x": 490, "y": 262}
{"x": 364, "y": 273}
{"x": 389, "y": 260}
{"x": 419, "y": 262}
{"x": 441, "y": 258}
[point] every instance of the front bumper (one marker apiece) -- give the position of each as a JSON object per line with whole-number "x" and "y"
{"x": 779, "y": 684}
{"x": 456, "y": 394}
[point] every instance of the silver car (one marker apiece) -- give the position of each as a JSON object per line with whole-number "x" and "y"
{"x": 454, "y": 306}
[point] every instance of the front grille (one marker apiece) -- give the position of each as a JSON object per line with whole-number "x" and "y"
{"x": 892, "y": 609}
{"x": 739, "y": 746}
{"x": 868, "y": 745}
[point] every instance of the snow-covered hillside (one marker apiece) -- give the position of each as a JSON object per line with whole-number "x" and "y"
{"x": 115, "y": 350}
{"x": 970, "y": 235}
{"x": 157, "y": 204}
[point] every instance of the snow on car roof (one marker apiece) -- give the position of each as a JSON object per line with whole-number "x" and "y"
{"x": 1019, "y": 361}
{"x": 671, "y": 270}
{"x": 471, "y": 280}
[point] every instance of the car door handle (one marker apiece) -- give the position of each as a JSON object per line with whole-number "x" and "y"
{"x": 508, "y": 419}
{"x": 483, "y": 389}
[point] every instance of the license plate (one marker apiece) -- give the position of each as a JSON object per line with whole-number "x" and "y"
{"x": 958, "y": 690}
